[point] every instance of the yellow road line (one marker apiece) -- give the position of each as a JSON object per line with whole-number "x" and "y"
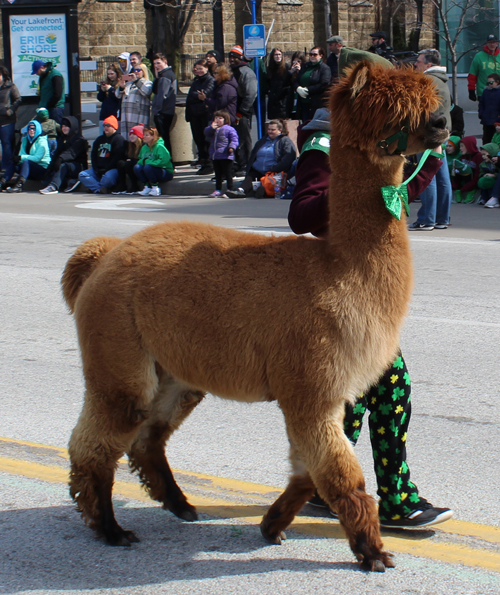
{"x": 447, "y": 552}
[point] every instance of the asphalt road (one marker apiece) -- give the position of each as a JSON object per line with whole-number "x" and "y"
{"x": 450, "y": 342}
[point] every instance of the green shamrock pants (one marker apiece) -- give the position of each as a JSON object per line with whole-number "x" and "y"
{"x": 389, "y": 404}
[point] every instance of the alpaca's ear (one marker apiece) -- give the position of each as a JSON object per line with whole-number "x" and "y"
{"x": 360, "y": 78}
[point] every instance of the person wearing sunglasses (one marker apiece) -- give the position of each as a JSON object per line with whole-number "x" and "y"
{"x": 489, "y": 107}
{"x": 312, "y": 84}
{"x": 32, "y": 161}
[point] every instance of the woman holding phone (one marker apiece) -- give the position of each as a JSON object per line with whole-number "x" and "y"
{"x": 134, "y": 91}
{"x": 110, "y": 104}
{"x": 298, "y": 61}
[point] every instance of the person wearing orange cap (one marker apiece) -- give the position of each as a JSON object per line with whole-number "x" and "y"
{"x": 107, "y": 150}
{"x": 247, "y": 92}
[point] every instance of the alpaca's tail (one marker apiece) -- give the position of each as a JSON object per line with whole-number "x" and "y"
{"x": 81, "y": 264}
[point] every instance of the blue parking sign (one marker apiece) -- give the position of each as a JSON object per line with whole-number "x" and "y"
{"x": 254, "y": 40}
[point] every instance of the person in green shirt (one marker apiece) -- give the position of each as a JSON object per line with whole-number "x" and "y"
{"x": 485, "y": 62}
{"x": 155, "y": 164}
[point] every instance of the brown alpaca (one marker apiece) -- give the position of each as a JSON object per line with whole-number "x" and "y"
{"x": 181, "y": 309}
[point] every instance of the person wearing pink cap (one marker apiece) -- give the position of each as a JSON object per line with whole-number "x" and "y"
{"x": 126, "y": 165}
{"x": 107, "y": 150}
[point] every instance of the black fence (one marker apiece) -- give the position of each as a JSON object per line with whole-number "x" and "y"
{"x": 98, "y": 75}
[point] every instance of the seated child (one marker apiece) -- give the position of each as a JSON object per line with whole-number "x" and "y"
{"x": 452, "y": 152}
{"x": 496, "y": 136}
{"x": 488, "y": 171}
{"x": 49, "y": 127}
{"x": 466, "y": 170}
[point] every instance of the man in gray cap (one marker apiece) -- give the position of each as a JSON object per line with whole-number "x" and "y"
{"x": 335, "y": 44}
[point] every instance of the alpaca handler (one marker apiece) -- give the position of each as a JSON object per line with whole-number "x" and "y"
{"x": 389, "y": 401}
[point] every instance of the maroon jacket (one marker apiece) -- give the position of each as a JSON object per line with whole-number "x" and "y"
{"x": 473, "y": 158}
{"x": 309, "y": 207}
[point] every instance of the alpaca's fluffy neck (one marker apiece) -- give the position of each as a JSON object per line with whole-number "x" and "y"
{"x": 359, "y": 220}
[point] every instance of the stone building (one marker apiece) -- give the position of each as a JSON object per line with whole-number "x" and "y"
{"x": 108, "y": 28}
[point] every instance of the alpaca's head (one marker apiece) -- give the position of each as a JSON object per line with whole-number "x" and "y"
{"x": 371, "y": 103}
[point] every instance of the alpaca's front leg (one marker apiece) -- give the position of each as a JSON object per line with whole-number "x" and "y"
{"x": 335, "y": 471}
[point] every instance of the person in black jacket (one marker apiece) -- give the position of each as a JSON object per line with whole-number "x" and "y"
{"x": 274, "y": 152}
{"x": 165, "y": 93}
{"x": 312, "y": 84}
{"x": 335, "y": 44}
{"x": 110, "y": 103}
{"x": 197, "y": 111}
{"x": 69, "y": 159}
{"x": 107, "y": 150}
{"x": 277, "y": 74}
{"x": 10, "y": 99}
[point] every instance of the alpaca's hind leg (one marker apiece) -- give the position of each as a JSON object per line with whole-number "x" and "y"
{"x": 336, "y": 473}
{"x": 300, "y": 488}
{"x": 104, "y": 431}
{"x": 172, "y": 404}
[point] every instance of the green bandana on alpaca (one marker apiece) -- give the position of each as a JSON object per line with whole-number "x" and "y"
{"x": 397, "y": 196}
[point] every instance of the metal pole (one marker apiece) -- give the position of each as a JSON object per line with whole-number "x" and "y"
{"x": 253, "y": 8}
{"x": 218, "y": 27}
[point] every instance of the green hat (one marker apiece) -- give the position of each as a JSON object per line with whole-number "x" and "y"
{"x": 351, "y": 56}
{"x": 42, "y": 114}
{"x": 491, "y": 148}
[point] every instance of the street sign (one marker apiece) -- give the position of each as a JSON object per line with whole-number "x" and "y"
{"x": 254, "y": 41}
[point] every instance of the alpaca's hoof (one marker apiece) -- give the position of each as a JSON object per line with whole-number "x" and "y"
{"x": 122, "y": 538}
{"x": 379, "y": 564}
{"x": 276, "y": 538}
{"x": 183, "y": 510}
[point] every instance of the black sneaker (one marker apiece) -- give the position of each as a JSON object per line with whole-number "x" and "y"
{"x": 318, "y": 502}
{"x": 420, "y": 227}
{"x": 424, "y": 516}
{"x": 72, "y": 184}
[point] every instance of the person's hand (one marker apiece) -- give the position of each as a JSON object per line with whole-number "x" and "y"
{"x": 122, "y": 82}
{"x": 494, "y": 159}
{"x": 9, "y": 112}
{"x": 214, "y": 125}
{"x": 231, "y": 151}
{"x": 201, "y": 95}
{"x": 105, "y": 87}
{"x": 472, "y": 95}
{"x": 303, "y": 92}
{"x": 295, "y": 66}
{"x": 489, "y": 175}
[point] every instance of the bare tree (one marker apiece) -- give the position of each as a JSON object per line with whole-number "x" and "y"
{"x": 466, "y": 14}
{"x": 170, "y": 25}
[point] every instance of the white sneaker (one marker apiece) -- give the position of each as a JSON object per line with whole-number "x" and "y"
{"x": 492, "y": 203}
{"x": 145, "y": 192}
{"x": 49, "y": 190}
{"x": 155, "y": 191}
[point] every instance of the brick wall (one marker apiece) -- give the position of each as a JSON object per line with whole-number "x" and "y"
{"x": 109, "y": 28}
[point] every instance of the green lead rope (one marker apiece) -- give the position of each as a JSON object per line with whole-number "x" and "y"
{"x": 397, "y": 196}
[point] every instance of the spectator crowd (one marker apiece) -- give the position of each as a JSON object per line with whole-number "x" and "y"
{"x": 133, "y": 152}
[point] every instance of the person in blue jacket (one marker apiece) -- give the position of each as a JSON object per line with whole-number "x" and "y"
{"x": 32, "y": 161}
